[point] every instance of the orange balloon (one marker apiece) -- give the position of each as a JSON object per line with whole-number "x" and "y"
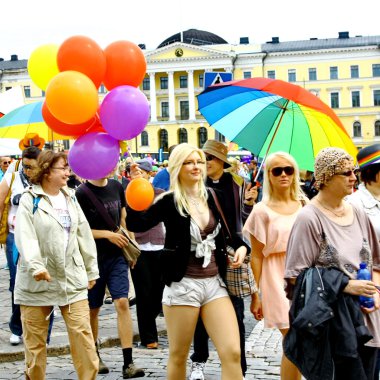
{"x": 72, "y": 97}
{"x": 80, "y": 53}
{"x": 139, "y": 194}
{"x": 126, "y": 65}
{"x": 64, "y": 129}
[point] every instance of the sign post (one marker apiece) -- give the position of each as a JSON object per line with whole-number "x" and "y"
{"x": 213, "y": 77}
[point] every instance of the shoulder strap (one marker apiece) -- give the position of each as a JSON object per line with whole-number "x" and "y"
{"x": 17, "y": 165}
{"x": 36, "y": 201}
{"x": 212, "y": 191}
{"x": 8, "y": 197}
{"x": 100, "y": 207}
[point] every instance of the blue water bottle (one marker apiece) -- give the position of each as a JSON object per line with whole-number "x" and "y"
{"x": 365, "y": 274}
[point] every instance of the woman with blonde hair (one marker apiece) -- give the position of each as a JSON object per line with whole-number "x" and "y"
{"x": 268, "y": 228}
{"x": 193, "y": 262}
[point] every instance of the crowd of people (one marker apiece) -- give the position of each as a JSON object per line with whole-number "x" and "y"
{"x": 303, "y": 235}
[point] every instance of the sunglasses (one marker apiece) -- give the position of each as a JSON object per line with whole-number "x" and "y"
{"x": 277, "y": 171}
{"x": 209, "y": 157}
{"x": 348, "y": 173}
{"x": 7, "y": 162}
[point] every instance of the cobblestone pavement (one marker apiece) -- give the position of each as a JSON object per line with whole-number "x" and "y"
{"x": 263, "y": 347}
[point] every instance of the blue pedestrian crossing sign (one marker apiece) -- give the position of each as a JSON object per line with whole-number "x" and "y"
{"x": 213, "y": 77}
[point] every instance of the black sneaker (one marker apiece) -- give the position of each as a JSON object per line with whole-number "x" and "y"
{"x": 131, "y": 371}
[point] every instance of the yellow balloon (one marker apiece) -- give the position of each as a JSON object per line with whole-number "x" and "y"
{"x": 42, "y": 65}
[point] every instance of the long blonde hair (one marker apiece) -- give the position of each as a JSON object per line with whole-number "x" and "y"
{"x": 296, "y": 192}
{"x": 176, "y": 160}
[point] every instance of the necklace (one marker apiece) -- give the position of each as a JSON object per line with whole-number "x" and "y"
{"x": 196, "y": 203}
{"x": 339, "y": 214}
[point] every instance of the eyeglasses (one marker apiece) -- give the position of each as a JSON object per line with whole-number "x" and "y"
{"x": 277, "y": 171}
{"x": 64, "y": 168}
{"x": 209, "y": 157}
{"x": 348, "y": 173}
{"x": 193, "y": 163}
{"x": 6, "y": 162}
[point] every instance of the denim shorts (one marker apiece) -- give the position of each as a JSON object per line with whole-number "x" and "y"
{"x": 113, "y": 272}
{"x": 194, "y": 291}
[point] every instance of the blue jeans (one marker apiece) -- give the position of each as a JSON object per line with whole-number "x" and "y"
{"x": 11, "y": 264}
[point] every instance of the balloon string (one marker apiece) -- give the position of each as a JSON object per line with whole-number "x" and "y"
{"x": 130, "y": 155}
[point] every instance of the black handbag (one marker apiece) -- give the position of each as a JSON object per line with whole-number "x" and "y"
{"x": 131, "y": 251}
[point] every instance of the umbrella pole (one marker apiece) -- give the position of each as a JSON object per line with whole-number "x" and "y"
{"x": 284, "y": 108}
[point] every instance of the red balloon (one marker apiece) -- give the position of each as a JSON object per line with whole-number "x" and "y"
{"x": 80, "y": 53}
{"x": 126, "y": 65}
{"x": 74, "y": 130}
{"x": 139, "y": 194}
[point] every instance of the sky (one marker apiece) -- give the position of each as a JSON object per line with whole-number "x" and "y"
{"x": 28, "y": 24}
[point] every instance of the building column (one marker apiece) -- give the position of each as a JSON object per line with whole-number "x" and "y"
{"x": 153, "y": 99}
{"x": 190, "y": 85}
{"x": 171, "y": 96}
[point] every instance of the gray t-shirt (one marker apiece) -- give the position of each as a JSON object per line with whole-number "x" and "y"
{"x": 315, "y": 240}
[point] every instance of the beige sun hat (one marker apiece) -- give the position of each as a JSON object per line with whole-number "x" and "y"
{"x": 216, "y": 149}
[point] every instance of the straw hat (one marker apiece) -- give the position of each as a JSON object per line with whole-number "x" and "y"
{"x": 216, "y": 149}
{"x": 31, "y": 139}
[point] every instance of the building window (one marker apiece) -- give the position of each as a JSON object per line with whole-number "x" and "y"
{"x": 43, "y": 93}
{"x": 355, "y": 96}
{"x": 357, "y": 129}
{"x": 27, "y": 91}
{"x": 334, "y": 99}
{"x": 144, "y": 138}
{"x": 163, "y": 138}
{"x": 164, "y": 83}
{"x": 182, "y": 135}
{"x": 165, "y": 109}
{"x": 313, "y": 74}
{"x": 334, "y": 72}
{"x": 354, "y": 71}
{"x": 200, "y": 80}
{"x": 146, "y": 84}
{"x": 66, "y": 144}
{"x": 219, "y": 137}
{"x": 377, "y": 128}
{"x": 376, "y": 70}
{"x": 247, "y": 74}
{"x": 202, "y": 136}
{"x": 184, "y": 109}
{"x": 183, "y": 81}
{"x": 376, "y": 97}
{"x": 271, "y": 74}
{"x": 292, "y": 75}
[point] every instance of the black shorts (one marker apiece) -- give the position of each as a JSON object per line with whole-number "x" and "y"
{"x": 113, "y": 273}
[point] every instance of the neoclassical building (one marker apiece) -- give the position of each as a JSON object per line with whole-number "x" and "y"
{"x": 343, "y": 71}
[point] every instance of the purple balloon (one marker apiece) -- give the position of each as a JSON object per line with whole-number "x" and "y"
{"x": 94, "y": 155}
{"x": 124, "y": 112}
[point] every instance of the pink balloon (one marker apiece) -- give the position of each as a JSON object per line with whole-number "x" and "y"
{"x": 94, "y": 155}
{"x": 124, "y": 112}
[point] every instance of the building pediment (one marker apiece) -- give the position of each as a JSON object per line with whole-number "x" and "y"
{"x": 182, "y": 51}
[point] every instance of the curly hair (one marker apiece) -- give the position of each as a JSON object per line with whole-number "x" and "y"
{"x": 45, "y": 161}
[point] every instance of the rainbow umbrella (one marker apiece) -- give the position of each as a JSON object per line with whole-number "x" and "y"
{"x": 268, "y": 115}
{"x": 27, "y": 119}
